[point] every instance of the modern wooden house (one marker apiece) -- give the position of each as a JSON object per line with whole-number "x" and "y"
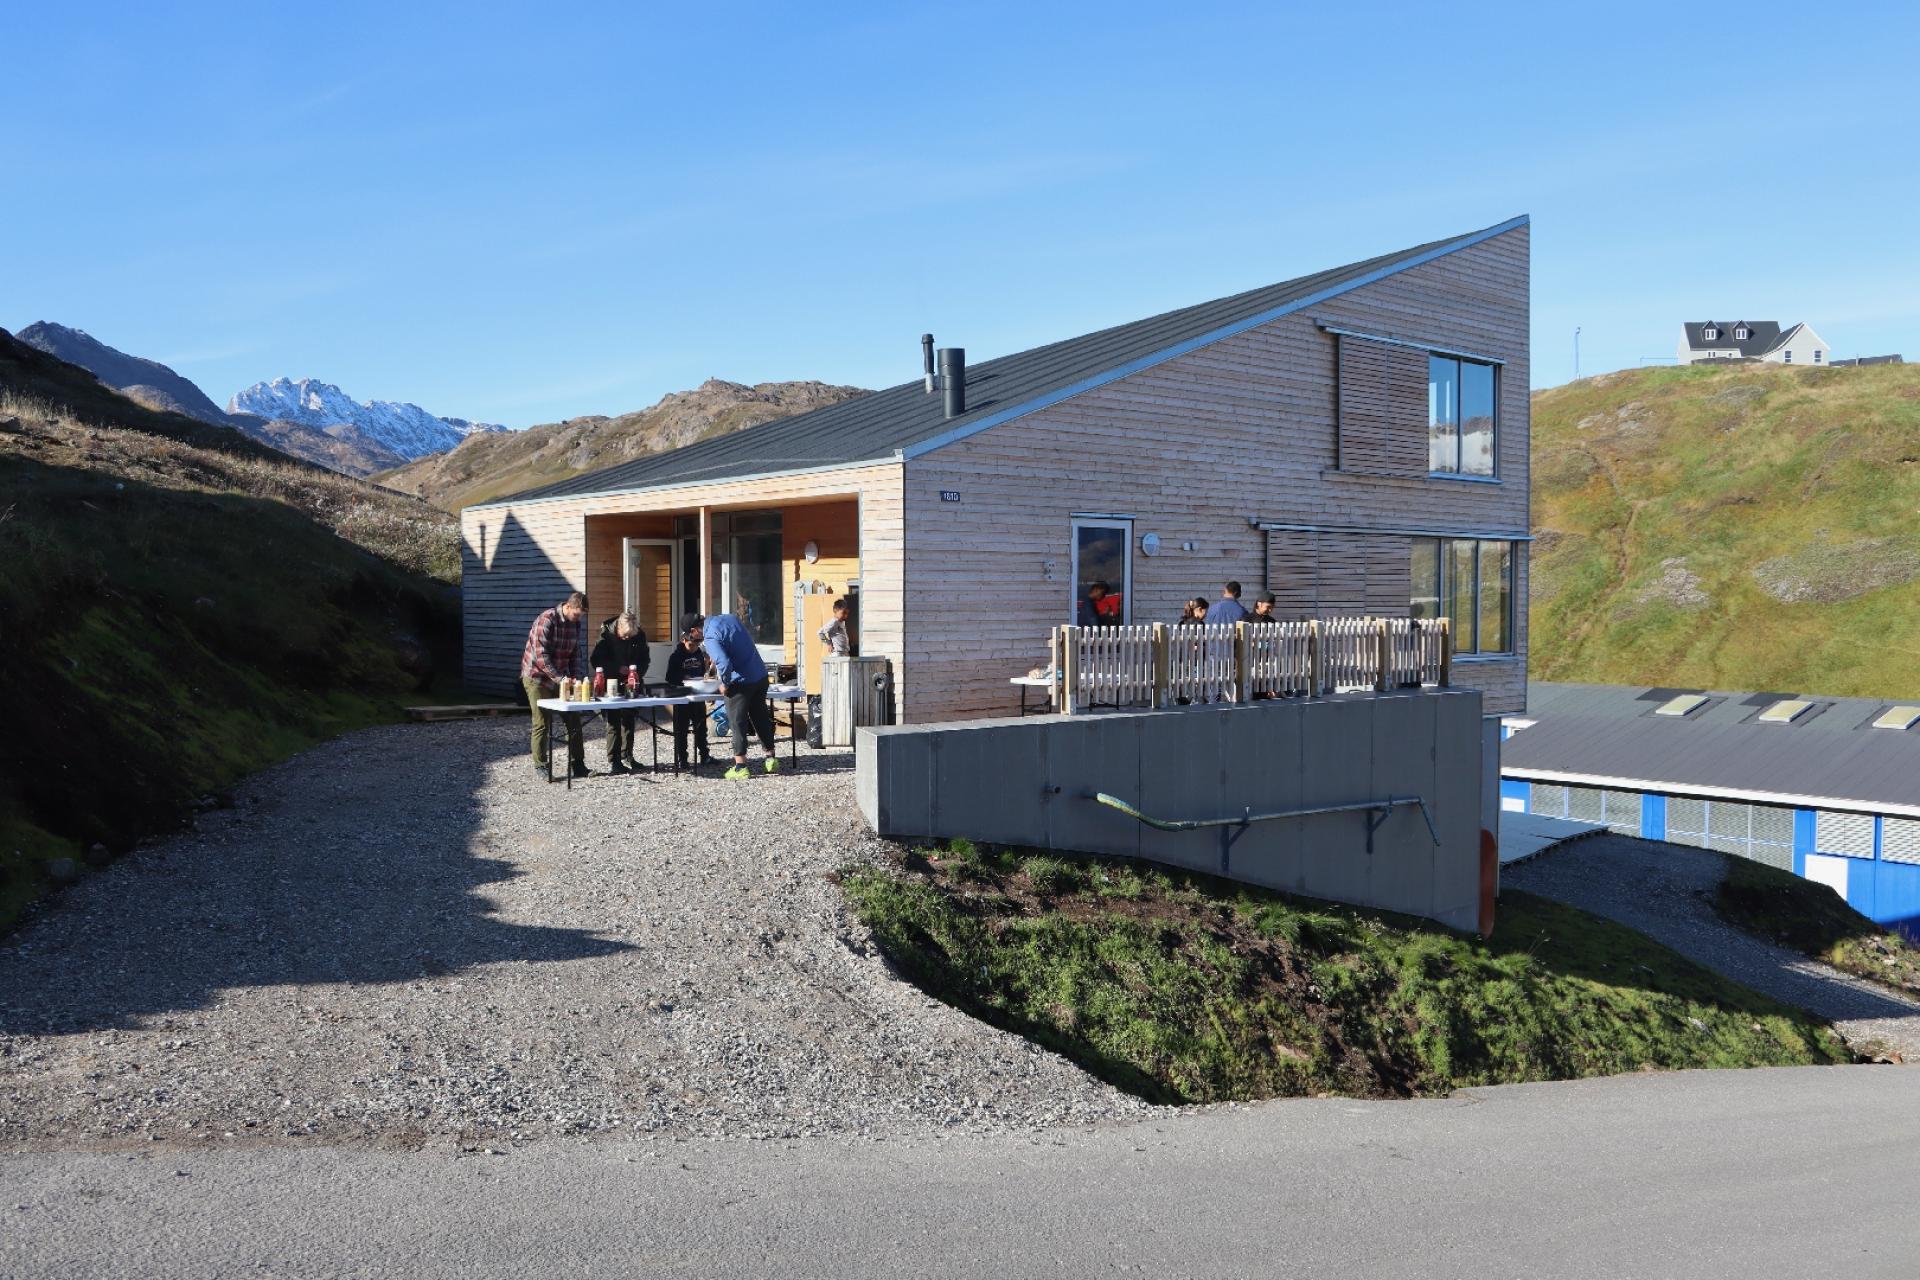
{"x": 1354, "y": 440}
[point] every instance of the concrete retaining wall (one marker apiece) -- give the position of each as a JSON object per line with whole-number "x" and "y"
{"x": 1028, "y": 782}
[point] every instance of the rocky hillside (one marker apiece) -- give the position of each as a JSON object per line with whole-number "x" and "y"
{"x": 310, "y": 420}
{"x": 180, "y": 605}
{"x": 1745, "y": 527}
{"x": 146, "y": 381}
{"x": 488, "y": 466}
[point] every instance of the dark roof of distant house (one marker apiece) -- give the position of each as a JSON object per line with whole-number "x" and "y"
{"x": 1830, "y": 753}
{"x": 1762, "y": 335}
{"x": 1870, "y": 360}
{"x": 905, "y": 419}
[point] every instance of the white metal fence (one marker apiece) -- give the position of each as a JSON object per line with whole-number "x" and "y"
{"x": 1157, "y": 665}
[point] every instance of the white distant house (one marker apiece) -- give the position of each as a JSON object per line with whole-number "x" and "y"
{"x": 1751, "y": 340}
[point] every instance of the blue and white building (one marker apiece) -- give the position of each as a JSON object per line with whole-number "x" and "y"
{"x": 1828, "y": 788}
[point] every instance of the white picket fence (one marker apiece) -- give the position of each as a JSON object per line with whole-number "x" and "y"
{"x": 1157, "y": 665}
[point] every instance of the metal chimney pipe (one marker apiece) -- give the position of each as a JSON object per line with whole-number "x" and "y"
{"x": 926, "y": 358}
{"x": 953, "y": 379}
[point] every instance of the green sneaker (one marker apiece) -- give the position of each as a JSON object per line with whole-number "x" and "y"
{"x": 738, "y": 772}
{"x": 772, "y": 765}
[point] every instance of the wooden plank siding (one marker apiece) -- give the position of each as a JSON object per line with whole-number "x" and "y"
{"x": 1198, "y": 449}
{"x": 520, "y": 558}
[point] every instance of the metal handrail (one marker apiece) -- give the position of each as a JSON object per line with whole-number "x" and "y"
{"x": 1248, "y": 816}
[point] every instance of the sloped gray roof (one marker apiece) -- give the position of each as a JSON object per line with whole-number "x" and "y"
{"x": 905, "y": 419}
{"x": 1762, "y": 335}
{"x": 1831, "y": 751}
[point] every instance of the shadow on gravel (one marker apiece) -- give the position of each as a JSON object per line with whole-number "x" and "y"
{"x": 1667, "y": 892}
{"x": 333, "y": 869}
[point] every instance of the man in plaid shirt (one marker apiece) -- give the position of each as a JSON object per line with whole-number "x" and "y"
{"x": 555, "y": 649}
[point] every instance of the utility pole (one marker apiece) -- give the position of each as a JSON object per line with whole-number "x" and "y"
{"x": 1576, "y": 353}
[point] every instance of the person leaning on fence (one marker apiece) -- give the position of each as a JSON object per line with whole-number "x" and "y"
{"x": 1227, "y": 610}
{"x": 688, "y": 661}
{"x": 743, "y": 682}
{"x": 555, "y": 651}
{"x": 622, "y": 644}
{"x": 1263, "y": 615}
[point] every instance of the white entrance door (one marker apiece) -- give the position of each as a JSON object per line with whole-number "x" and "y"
{"x": 653, "y": 577}
{"x": 1102, "y": 553}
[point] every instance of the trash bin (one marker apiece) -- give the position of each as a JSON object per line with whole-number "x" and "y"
{"x": 858, "y": 691}
{"x": 814, "y": 739}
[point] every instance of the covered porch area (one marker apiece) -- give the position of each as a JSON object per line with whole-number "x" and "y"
{"x": 775, "y": 564}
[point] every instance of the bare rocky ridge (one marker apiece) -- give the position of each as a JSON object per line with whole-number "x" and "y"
{"x": 488, "y": 466}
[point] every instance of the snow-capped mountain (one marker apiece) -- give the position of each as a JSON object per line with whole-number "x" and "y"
{"x": 406, "y": 429}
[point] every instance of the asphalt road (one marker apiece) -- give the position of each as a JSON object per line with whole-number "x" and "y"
{"x": 1786, "y": 1173}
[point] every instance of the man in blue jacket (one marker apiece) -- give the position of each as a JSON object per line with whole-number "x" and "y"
{"x": 1227, "y": 609}
{"x": 743, "y": 682}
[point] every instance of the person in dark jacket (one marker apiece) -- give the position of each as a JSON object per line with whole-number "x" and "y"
{"x": 622, "y": 645}
{"x": 688, "y": 661}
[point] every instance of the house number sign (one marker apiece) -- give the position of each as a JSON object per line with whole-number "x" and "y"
{"x": 949, "y": 495}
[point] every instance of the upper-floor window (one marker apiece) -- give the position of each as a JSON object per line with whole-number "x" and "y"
{"x": 1816, "y": 355}
{"x": 1740, "y": 334}
{"x": 1789, "y": 356}
{"x": 1710, "y": 333}
{"x": 1460, "y": 417}
{"x": 1470, "y": 583}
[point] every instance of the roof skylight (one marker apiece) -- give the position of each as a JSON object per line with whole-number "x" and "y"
{"x": 1679, "y": 706}
{"x": 1784, "y": 711}
{"x": 1898, "y": 717}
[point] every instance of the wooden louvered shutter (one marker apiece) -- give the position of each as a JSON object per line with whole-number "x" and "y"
{"x": 1381, "y": 407}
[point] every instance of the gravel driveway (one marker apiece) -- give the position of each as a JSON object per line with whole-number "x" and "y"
{"x": 404, "y": 936}
{"x": 1666, "y": 891}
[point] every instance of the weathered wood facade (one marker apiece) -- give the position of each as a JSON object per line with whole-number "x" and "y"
{"x": 1291, "y": 455}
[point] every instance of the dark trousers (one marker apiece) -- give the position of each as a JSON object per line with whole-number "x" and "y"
{"x": 543, "y": 725}
{"x": 749, "y": 700}
{"x": 620, "y": 726}
{"x": 691, "y": 718}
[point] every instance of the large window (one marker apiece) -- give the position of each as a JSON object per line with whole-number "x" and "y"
{"x": 1460, "y": 417}
{"x": 750, "y": 575}
{"x": 1470, "y": 583}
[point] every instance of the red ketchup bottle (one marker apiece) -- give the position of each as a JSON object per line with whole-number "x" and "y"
{"x": 599, "y": 682}
{"x": 633, "y": 680}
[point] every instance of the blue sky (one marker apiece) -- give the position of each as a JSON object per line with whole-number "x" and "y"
{"x": 520, "y": 214}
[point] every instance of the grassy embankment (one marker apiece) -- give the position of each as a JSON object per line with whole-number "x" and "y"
{"x": 1815, "y": 921}
{"x": 1742, "y": 527}
{"x": 1182, "y": 988}
{"x": 179, "y": 607}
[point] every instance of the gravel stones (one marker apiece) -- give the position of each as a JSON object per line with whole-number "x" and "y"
{"x": 403, "y": 935}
